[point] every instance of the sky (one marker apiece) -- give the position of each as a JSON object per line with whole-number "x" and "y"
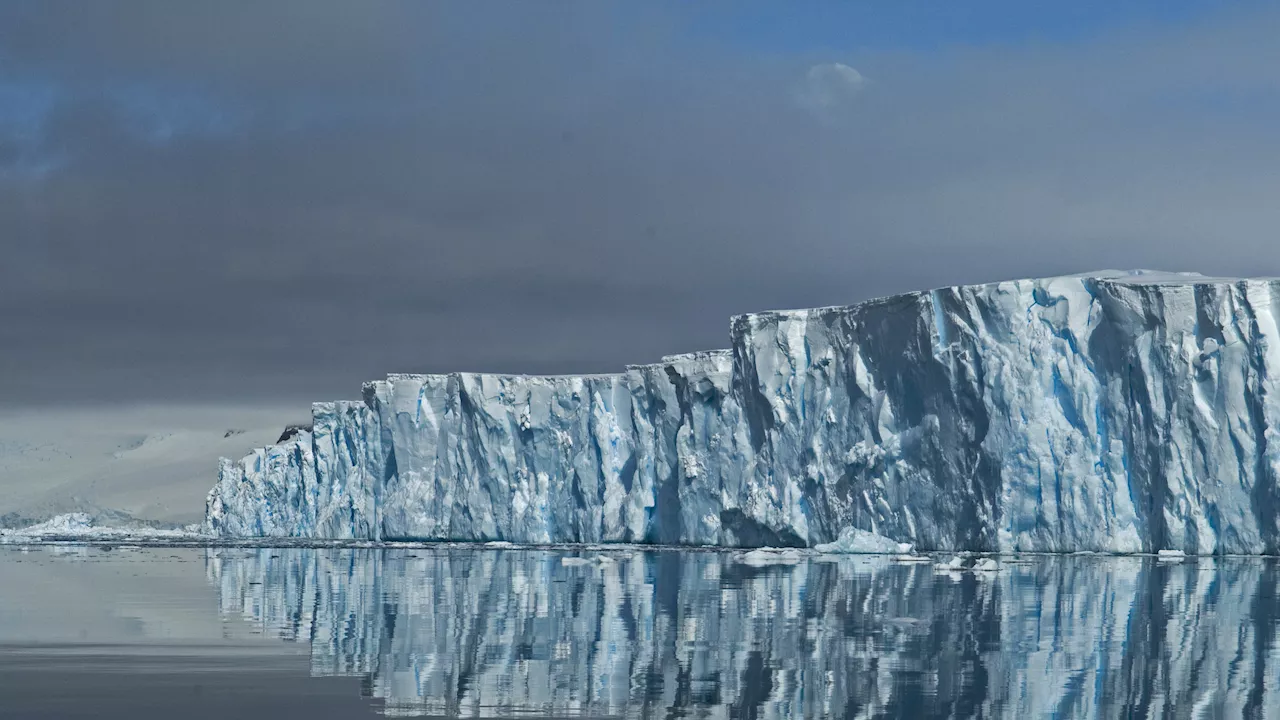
{"x": 272, "y": 202}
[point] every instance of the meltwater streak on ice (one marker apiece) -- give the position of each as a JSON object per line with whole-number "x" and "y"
{"x": 1118, "y": 412}
{"x": 466, "y": 633}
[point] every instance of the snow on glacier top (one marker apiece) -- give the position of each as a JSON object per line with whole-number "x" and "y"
{"x": 1152, "y": 277}
{"x": 1136, "y": 277}
{"x": 392, "y": 377}
{"x": 696, "y": 355}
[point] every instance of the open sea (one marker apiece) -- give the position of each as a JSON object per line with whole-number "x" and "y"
{"x": 446, "y": 631}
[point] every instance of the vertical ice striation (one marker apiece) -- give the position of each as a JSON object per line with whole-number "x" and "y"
{"x": 690, "y": 446}
{"x": 1109, "y": 412}
{"x": 493, "y": 457}
{"x": 1114, "y": 411}
{"x": 321, "y": 483}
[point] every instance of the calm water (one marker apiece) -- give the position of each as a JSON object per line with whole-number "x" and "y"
{"x": 92, "y": 632}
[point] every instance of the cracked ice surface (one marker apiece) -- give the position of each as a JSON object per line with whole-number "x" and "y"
{"x": 1119, "y": 412}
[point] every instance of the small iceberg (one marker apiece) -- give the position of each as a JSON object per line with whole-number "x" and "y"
{"x": 956, "y": 563}
{"x": 853, "y": 540}
{"x": 763, "y": 557}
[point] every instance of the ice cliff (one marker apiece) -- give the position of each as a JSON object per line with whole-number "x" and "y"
{"x": 1118, "y": 412}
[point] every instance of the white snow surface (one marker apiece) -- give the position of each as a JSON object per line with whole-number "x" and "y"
{"x": 1111, "y": 412}
{"x": 122, "y": 464}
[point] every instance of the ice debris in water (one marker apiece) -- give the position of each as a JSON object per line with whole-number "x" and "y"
{"x": 1115, "y": 412}
{"x": 908, "y": 558}
{"x": 763, "y": 557}
{"x": 853, "y": 540}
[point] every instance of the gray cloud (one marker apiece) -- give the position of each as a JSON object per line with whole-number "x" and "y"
{"x": 281, "y": 202}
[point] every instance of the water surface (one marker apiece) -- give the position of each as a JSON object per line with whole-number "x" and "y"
{"x": 460, "y": 632}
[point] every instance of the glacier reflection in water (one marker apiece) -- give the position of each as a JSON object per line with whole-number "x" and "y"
{"x": 467, "y": 633}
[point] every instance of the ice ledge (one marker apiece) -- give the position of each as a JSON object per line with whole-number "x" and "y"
{"x": 1112, "y": 411}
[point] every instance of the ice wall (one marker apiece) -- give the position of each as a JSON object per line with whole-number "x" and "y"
{"x": 322, "y": 483}
{"x": 691, "y": 447}
{"x": 1121, "y": 413}
{"x": 534, "y": 459}
{"x": 469, "y": 456}
{"x": 1115, "y": 411}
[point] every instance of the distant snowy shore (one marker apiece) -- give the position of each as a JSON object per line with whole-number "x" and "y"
{"x": 121, "y": 464}
{"x": 81, "y": 527}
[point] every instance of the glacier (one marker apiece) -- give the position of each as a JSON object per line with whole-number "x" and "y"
{"x": 1113, "y": 411}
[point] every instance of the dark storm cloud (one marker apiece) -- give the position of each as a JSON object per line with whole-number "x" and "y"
{"x": 279, "y": 200}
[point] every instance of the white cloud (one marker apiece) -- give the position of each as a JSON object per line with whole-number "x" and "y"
{"x": 828, "y": 86}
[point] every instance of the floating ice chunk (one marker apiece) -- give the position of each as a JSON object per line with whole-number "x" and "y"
{"x": 955, "y": 563}
{"x": 986, "y": 565}
{"x": 763, "y": 557}
{"x": 853, "y": 540}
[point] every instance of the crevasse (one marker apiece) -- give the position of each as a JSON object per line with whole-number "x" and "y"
{"x": 1114, "y": 411}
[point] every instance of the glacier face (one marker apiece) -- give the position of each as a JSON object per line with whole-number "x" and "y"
{"x": 318, "y": 483}
{"x": 535, "y": 459}
{"x": 1118, "y": 412}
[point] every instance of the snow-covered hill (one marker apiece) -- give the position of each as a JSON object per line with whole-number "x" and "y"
{"x": 150, "y": 463}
